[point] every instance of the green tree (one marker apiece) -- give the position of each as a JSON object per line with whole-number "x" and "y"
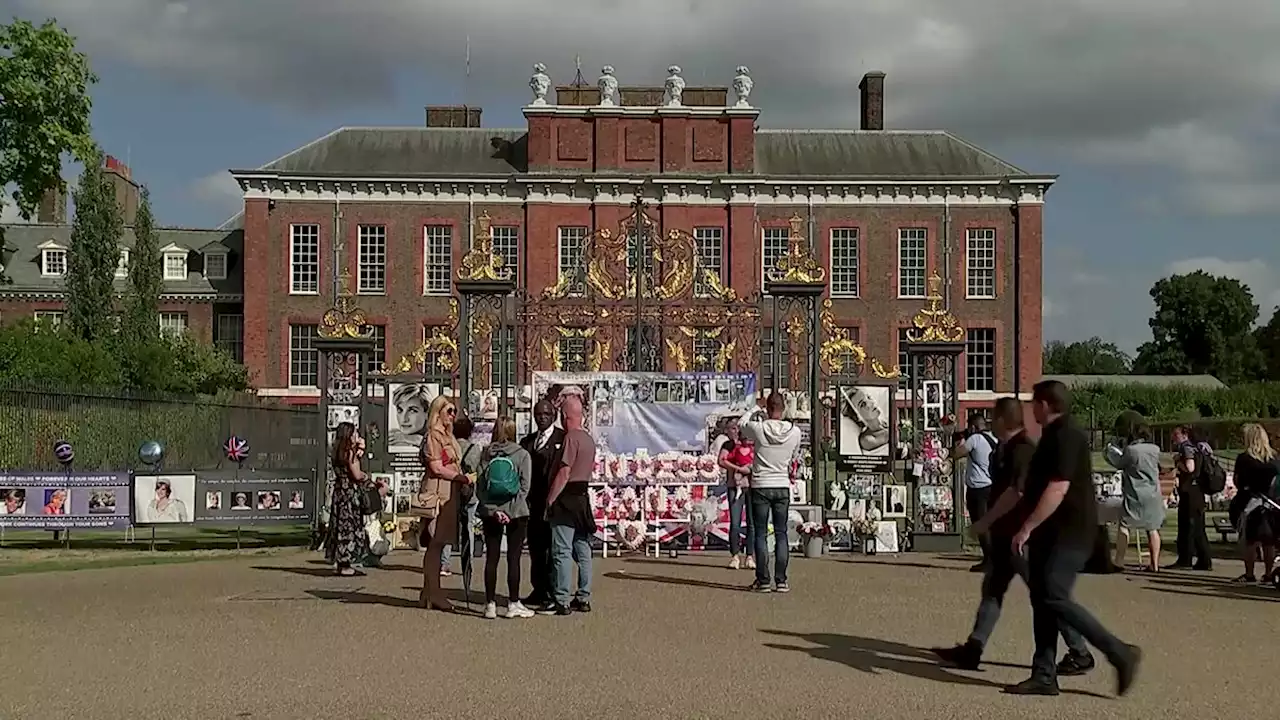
{"x": 94, "y": 254}
{"x": 1088, "y": 357}
{"x": 1202, "y": 325}
{"x": 141, "y": 322}
{"x": 1268, "y": 339}
{"x": 44, "y": 109}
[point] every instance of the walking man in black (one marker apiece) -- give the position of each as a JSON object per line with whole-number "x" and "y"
{"x": 544, "y": 446}
{"x": 1009, "y": 465}
{"x": 1060, "y": 520}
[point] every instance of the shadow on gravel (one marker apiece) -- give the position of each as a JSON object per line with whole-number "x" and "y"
{"x": 318, "y": 571}
{"x": 871, "y": 655}
{"x": 359, "y": 597}
{"x": 1205, "y": 587}
{"x": 665, "y": 580}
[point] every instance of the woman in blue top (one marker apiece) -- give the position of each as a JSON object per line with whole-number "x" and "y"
{"x": 1138, "y": 460}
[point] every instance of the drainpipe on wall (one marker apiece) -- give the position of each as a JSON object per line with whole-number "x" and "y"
{"x": 946, "y": 249}
{"x": 337, "y": 245}
{"x": 1017, "y": 297}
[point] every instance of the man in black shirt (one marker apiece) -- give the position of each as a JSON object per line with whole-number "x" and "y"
{"x": 1060, "y": 519}
{"x": 1009, "y": 465}
{"x": 1193, "y": 540}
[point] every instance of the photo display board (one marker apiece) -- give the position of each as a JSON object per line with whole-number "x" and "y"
{"x": 225, "y": 497}
{"x": 61, "y": 501}
{"x": 865, "y": 427}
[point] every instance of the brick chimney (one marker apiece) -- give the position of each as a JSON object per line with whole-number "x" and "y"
{"x": 872, "y": 87}
{"x": 53, "y": 207}
{"x": 453, "y": 116}
{"x": 121, "y": 179}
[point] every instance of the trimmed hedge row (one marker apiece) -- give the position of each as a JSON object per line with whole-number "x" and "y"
{"x": 1101, "y": 404}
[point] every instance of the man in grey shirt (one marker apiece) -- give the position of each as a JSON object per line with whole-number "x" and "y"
{"x": 776, "y": 441}
{"x": 976, "y": 445}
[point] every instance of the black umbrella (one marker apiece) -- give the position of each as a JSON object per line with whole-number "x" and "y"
{"x": 466, "y": 536}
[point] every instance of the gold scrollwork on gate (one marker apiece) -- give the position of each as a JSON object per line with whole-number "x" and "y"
{"x": 442, "y": 343}
{"x": 837, "y": 345}
{"x": 597, "y": 347}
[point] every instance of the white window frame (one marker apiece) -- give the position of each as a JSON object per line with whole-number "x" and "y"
{"x": 841, "y": 261}
{"x": 907, "y": 287}
{"x": 48, "y": 252}
{"x": 122, "y": 263}
{"x": 571, "y": 243}
{"x": 709, "y": 245}
{"x": 773, "y": 245}
{"x": 218, "y": 255}
{"x": 53, "y": 317}
{"x": 505, "y": 240}
{"x": 173, "y": 323}
{"x": 980, "y": 264}
{"x": 173, "y": 252}
{"x": 988, "y": 338}
{"x": 295, "y": 353}
{"x": 432, "y": 263}
{"x": 371, "y": 260}
{"x": 304, "y": 262}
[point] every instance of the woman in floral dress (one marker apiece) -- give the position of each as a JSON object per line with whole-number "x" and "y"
{"x": 347, "y": 542}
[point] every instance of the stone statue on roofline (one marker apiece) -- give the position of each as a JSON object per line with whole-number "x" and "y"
{"x": 608, "y": 85}
{"x": 540, "y": 84}
{"x": 675, "y": 87}
{"x": 742, "y": 84}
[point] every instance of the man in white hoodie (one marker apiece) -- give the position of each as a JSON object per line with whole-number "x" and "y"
{"x": 776, "y": 441}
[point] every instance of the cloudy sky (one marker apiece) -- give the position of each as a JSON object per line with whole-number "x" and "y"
{"x": 1161, "y": 116}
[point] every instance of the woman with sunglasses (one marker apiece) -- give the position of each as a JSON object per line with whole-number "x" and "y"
{"x": 442, "y": 458}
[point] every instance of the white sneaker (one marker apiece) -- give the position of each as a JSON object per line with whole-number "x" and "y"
{"x": 751, "y": 563}
{"x": 490, "y": 611}
{"x": 518, "y": 610}
{"x": 735, "y": 563}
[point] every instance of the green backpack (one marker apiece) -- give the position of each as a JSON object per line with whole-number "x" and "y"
{"x": 502, "y": 481}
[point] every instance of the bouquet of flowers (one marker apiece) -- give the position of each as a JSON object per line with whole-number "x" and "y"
{"x": 643, "y": 471}
{"x": 709, "y": 467}
{"x": 630, "y": 502}
{"x": 813, "y": 529}
{"x": 655, "y": 499}
{"x": 616, "y": 467}
{"x": 686, "y": 468}
{"x": 863, "y": 527}
{"x": 680, "y": 501}
{"x": 604, "y": 501}
{"x": 630, "y": 533}
{"x": 598, "y": 469}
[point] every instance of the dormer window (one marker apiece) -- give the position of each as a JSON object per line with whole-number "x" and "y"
{"x": 53, "y": 259}
{"x": 215, "y": 266}
{"x": 122, "y": 263}
{"x": 175, "y": 262}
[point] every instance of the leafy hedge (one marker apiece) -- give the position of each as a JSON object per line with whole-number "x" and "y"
{"x": 1176, "y": 403}
{"x": 106, "y": 429}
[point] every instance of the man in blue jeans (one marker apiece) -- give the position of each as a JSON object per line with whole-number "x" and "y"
{"x": 570, "y": 516}
{"x": 1057, "y": 533}
{"x": 776, "y": 441}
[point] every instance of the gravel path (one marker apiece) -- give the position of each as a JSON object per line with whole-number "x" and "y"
{"x": 280, "y": 637}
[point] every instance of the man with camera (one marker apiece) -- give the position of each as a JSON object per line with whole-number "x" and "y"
{"x": 976, "y": 445}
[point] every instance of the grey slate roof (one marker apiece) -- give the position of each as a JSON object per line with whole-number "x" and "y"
{"x": 22, "y": 259}
{"x": 1082, "y": 381}
{"x": 364, "y": 152}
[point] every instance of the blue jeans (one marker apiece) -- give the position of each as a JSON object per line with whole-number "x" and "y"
{"x": 570, "y": 545}
{"x": 1051, "y": 577}
{"x": 467, "y": 527}
{"x": 738, "y": 502}
{"x": 771, "y": 504}
{"x": 1003, "y": 566}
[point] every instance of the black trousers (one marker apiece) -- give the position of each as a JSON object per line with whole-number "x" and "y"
{"x": 1193, "y": 536}
{"x": 1052, "y": 569}
{"x": 977, "y": 501}
{"x": 539, "y": 536}
{"x": 493, "y": 532}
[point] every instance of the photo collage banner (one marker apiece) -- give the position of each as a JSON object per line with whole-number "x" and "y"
{"x": 225, "y": 497}
{"x": 64, "y": 501}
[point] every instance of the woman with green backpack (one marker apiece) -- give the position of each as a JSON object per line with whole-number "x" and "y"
{"x": 503, "y": 489}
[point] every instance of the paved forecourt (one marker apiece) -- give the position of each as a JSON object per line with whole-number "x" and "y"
{"x": 280, "y": 637}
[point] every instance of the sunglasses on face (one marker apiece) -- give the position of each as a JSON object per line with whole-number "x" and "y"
{"x": 451, "y": 412}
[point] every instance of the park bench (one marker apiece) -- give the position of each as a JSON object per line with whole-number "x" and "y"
{"x": 1224, "y": 528}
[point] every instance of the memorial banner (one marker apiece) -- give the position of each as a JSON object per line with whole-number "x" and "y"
{"x": 60, "y": 501}
{"x": 226, "y": 497}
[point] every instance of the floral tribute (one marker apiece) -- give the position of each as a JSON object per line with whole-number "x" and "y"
{"x": 813, "y": 529}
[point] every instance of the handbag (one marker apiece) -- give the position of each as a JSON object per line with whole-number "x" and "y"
{"x": 370, "y": 500}
{"x": 426, "y": 502}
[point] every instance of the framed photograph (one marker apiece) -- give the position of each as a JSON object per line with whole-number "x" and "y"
{"x": 864, "y": 431}
{"x": 841, "y": 534}
{"x": 164, "y": 499}
{"x": 894, "y": 501}
{"x": 934, "y": 404}
{"x": 407, "y": 415}
{"x": 339, "y": 414}
{"x": 886, "y": 537}
{"x": 858, "y": 509}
